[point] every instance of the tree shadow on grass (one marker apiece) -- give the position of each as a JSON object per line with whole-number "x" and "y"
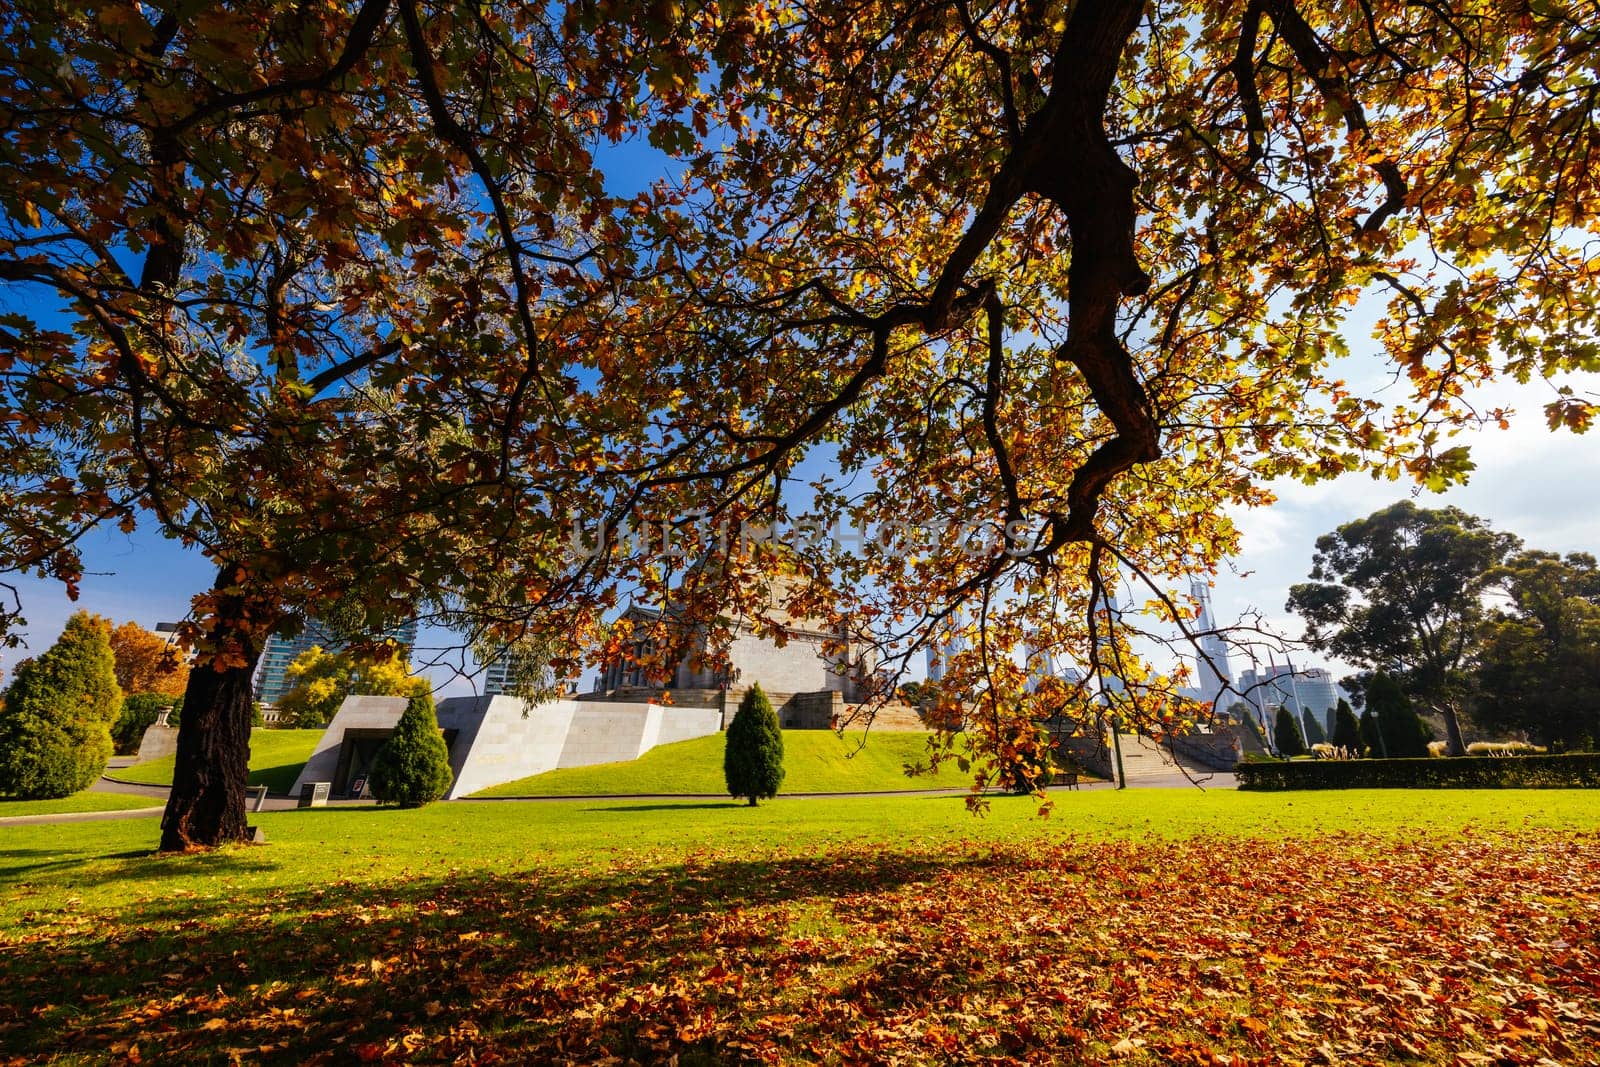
{"x": 325, "y": 969}
{"x": 278, "y": 779}
{"x": 852, "y": 954}
{"x": 18, "y": 864}
{"x": 132, "y": 865}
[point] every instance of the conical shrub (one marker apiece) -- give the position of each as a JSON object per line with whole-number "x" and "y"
{"x": 1286, "y": 735}
{"x": 752, "y": 764}
{"x": 413, "y": 766}
{"x": 1346, "y": 731}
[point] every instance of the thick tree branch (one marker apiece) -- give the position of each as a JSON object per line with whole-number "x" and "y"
{"x": 1317, "y": 62}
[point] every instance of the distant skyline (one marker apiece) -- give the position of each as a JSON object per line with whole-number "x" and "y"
{"x": 1534, "y": 482}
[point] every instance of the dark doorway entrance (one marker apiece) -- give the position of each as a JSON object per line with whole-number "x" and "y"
{"x": 356, "y": 753}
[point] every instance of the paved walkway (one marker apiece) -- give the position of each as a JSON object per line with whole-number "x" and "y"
{"x": 81, "y": 816}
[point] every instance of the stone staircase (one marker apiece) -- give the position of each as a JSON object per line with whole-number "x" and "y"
{"x": 1147, "y": 764}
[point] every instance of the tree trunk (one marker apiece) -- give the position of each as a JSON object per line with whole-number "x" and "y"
{"x": 752, "y": 801}
{"x": 1452, "y": 729}
{"x": 207, "y": 805}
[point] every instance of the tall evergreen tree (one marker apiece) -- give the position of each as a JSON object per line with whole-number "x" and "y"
{"x": 413, "y": 766}
{"x": 1313, "y": 728}
{"x": 753, "y": 761}
{"x": 1371, "y": 736}
{"x": 1346, "y": 731}
{"x": 1286, "y": 735}
{"x": 1405, "y": 735}
{"x": 55, "y": 728}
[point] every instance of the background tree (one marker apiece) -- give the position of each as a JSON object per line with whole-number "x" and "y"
{"x": 55, "y": 725}
{"x": 1346, "y": 731}
{"x": 412, "y": 768}
{"x": 1538, "y": 667}
{"x": 752, "y": 762}
{"x": 1286, "y": 735}
{"x": 1401, "y": 591}
{"x": 917, "y": 694}
{"x": 323, "y": 679}
{"x": 1404, "y": 734}
{"x": 1312, "y": 729}
{"x": 146, "y": 663}
{"x": 1372, "y": 741}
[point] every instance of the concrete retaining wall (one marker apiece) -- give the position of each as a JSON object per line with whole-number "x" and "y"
{"x": 682, "y": 724}
{"x": 889, "y": 718}
{"x": 356, "y": 713}
{"x": 157, "y": 741}
{"x": 495, "y": 741}
{"x": 1219, "y": 750}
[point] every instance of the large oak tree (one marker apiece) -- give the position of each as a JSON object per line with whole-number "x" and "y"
{"x": 270, "y": 287}
{"x": 1537, "y": 666}
{"x": 351, "y": 305}
{"x": 1087, "y": 273}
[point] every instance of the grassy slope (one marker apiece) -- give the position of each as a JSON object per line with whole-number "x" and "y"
{"x": 276, "y": 757}
{"x": 84, "y": 801}
{"x": 815, "y": 761}
{"x": 546, "y": 926}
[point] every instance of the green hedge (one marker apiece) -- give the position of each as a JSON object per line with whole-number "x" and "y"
{"x": 1577, "y": 771}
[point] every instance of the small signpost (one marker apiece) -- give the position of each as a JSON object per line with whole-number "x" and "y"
{"x": 315, "y": 794}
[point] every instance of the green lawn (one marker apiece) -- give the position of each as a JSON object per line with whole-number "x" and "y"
{"x": 815, "y": 761}
{"x": 276, "y": 757}
{"x": 1153, "y": 926}
{"x": 85, "y": 801}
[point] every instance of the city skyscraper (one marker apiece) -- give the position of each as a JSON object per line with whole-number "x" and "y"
{"x": 1037, "y": 664}
{"x": 271, "y": 681}
{"x": 949, "y": 642}
{"x": 496, "y": 677}
{"x": 1280, "y": 685}
{"x": 1215, "y": 674}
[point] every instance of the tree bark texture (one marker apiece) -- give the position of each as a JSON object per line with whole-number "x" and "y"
{"x": 206, "y": 807}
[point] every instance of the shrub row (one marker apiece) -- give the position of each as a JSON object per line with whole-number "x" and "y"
{"x": 1576, "y": 771}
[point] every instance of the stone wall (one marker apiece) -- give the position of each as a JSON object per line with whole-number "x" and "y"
{"x": 797, "y": 667}
{"x": 1092, "y": 753}
{"x": 638, "y": 694}
{"x": 810, "y": 711}
{"x": 157, "y": 741}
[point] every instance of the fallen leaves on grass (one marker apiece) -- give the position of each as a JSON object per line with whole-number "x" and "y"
{"x": 1460, "y": 950}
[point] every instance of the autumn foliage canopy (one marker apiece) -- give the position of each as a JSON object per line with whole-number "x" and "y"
{"x": 373, "y": 300}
